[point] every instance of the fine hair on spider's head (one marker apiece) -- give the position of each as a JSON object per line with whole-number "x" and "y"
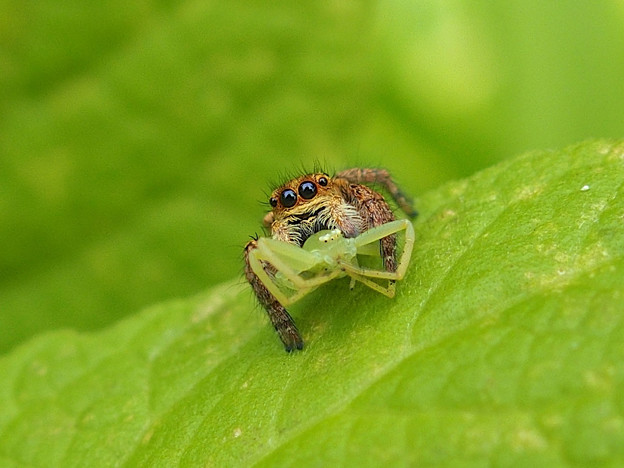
{"x": 284, "y": 177}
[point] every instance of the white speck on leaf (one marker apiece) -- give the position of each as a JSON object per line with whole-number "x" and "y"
{"x": 584, "y": 188}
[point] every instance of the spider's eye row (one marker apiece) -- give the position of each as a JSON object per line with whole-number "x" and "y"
{"x": 307, "y": 190}
{"x": 288, "y": 198}
{"x": 322, "y": 181}
{"x": 273, "y": 202}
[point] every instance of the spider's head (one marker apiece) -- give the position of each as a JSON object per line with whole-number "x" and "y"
{"x": 300, "y": 207}
{"x": 302, "y": 196}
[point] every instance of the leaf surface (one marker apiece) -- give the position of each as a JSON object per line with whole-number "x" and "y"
{"x": 504, "y": 345}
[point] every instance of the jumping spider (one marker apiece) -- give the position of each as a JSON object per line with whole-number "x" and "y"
{"x": 319, "y": 225}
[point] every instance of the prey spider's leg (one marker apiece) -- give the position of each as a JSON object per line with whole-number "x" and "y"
{"x": 290, "y": 261}
{"x": 374, "y": 210}
{"x": 279, "y": 316}
{"x": 364, "y": 240}
{"x": 383, "y": 231}
{"x": 382, "y": 177}
{"x": 261, "y": 270}
{"x": 388, "y": 291}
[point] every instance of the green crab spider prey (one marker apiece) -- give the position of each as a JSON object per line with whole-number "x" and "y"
{"x": 325, "y": 256}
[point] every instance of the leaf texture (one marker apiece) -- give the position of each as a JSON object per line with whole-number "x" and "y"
{"x": 504, "y": 345}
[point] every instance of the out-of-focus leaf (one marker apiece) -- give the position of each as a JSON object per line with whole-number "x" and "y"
{"x": 504, "y": 345}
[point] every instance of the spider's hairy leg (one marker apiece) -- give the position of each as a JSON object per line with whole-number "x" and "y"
{"x": 358, "y": 175}
{"x": 280, "y": 318}
{"x": 386, "y": 291}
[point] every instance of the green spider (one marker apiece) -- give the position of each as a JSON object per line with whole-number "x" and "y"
{"x": 327, "y": 255}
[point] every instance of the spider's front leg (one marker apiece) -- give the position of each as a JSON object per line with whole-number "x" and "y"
{"x": 280, "y": 318}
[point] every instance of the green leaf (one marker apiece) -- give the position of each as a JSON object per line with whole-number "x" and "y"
{"x": 504, "y": 345}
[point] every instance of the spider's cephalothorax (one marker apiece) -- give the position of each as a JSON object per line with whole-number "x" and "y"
{"x": 316, "y": 202}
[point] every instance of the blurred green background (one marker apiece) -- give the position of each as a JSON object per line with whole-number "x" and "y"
{"x": 138, "y": 139}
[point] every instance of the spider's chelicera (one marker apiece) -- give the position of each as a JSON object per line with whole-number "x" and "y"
{"x": 322, "y": 228}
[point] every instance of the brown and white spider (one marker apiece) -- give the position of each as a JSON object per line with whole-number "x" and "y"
{"x": 319, "y": 226}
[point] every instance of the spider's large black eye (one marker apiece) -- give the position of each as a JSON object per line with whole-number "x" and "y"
{"x": 323, "y": 181}
{"x": 273, "y": 202}
{"x": 288, "y": 198}
{"x": 307, "y": 190}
